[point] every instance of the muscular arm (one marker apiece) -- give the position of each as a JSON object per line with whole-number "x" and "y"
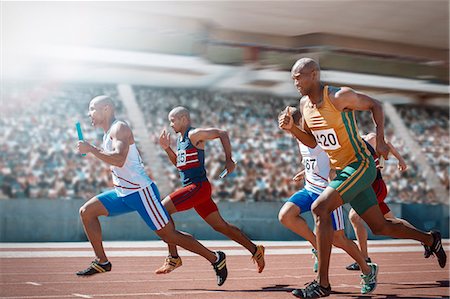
{"x": 348, "y": 99}
{"x": 303, "y": 134}
{"x": 401, "y": 162}
{"x": 200, "y": 136}
{"x": 164, "y": 142}
{"x": 172, "y": 156}
{"x": 121, "y": 136}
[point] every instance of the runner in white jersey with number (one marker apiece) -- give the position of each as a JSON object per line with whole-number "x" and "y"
{"x": 316, "y": 173}
{"x": 133, "y": 190}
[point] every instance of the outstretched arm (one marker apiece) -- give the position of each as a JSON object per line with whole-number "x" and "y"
{"x": 348, "y": 99}
{"x": 164, "y": 142}
{"x": 401, "y": 162}
{"x": 121, "y": 136}
{"x": 199, "y": 136}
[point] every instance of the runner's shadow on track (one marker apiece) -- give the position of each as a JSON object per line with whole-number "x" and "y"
{"x": 437, "y": 284}
{"x": 392, "y": 296}
{"x": 274, "y": 288}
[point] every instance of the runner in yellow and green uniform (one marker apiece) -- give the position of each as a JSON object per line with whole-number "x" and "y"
{"x": 329, "y": 121}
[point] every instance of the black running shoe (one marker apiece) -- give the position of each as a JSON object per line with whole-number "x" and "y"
{"x": 94, "y": 268}
{"x": 427, "y": 251}
{"x": 312, "y": 290}
{"x": 221, "y": 268}
{"x": 438, "y": 249}
{"x": 355, "y": 266}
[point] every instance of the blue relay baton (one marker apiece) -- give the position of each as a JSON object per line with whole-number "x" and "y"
{"x": 80, "y": 134}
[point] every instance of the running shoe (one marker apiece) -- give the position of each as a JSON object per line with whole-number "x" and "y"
{"x": 170, "y": 264}
{"x": 94, "y": 268}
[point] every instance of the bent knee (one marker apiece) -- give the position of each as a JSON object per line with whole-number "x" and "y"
{"x": 354, "y": 217}
{"x": 381, "y": 229}
{"x": 284, "y": 217}
{"x": 320, "y": 210}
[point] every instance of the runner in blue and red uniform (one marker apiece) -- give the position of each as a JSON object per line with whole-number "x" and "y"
{"x": 196, "y": 190}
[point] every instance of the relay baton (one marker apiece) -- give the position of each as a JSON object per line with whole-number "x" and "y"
{"x": 381, "y": 162}
{"x": 80, "y": 134}
{"x": 225, "y": 172}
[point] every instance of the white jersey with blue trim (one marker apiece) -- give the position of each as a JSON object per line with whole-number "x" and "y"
{"x": 131, "y": 177}
{"x": 317, "y": 168}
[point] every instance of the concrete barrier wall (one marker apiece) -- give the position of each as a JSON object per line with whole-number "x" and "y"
{"x": 27, "y": 220}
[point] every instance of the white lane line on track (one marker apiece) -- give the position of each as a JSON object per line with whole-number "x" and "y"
{"x": 38, "y": 297}
{"x": 350, "y": 273}
{"x": 82, "y": 296}
{"x": 174, "y": 293}
{"x": 33, "y": 283}
{"x": 207, "y": 243}
{"x": 163, "y": 253}
{"x": 207, "y": 269}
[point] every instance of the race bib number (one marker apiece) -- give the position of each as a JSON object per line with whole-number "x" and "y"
{"x": 181, "y": 158}
{"x": 310, "y": 165}
{"x": 327, "y": 139}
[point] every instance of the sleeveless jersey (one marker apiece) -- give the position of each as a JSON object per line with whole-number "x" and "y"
{"x": 190, "y": 161}
{"x": 317, "y": 168}
{"x": 375, "y": 158}
{"x": 336, "y": 132}
{"x": 131, "y": 177}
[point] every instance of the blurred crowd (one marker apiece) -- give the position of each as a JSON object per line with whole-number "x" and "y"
{"x": 38, "y": 138}
{"x": 267, "y": 157}
{"x": 430, "y": 128}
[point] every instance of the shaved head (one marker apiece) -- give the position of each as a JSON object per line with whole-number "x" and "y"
{"x": 305, "y": 65}
{"x": 180, "y": 111}
{"x": 102, "y": 101}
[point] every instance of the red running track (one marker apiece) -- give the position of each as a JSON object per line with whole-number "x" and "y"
{"x": 401, "y": 275}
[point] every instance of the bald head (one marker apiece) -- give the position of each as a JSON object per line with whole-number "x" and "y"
{"x": 305, "y": 65}
{"x": 102, "y": 101}
{"x": 179, "y": 112}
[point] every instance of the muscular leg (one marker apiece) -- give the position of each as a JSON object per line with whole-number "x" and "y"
{"x": 391, "y": 217}
{"x": 360, "y": 232}
{"x": 172, "y": 236}
{"x": 328, "y": 201}
{"x": 289, "y": 216}
{"x": 171, "y": 209}
{"x": 341, "y": 241}
{"x": 216, "y": 221}
{"x": 89, "y": 214}
{"x": 396, "y": 229}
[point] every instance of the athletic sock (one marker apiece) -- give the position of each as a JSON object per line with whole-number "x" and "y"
{"x": 217, "y": 255}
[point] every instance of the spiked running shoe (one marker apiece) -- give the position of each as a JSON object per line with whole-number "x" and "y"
{"x": 170, "y": 264}
{"x": 94, "y": 268}
{"x": 427, "y": 251}
{"x": 369, "y": 281}
{"x": 316, "y": 260}
{"x": 258, "y": 258}
{"x": 221, "y": 268}
{"x": 355, "y": 266}
{"x": 312, "y": 290}
{"x": 438, "y": 249}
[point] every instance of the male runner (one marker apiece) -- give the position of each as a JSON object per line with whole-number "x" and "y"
{"x": 133, "y": 191}
{"x": 196, "y": 190}
{"x": 329, "y": 120}
{"x": 316, "y": 173}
